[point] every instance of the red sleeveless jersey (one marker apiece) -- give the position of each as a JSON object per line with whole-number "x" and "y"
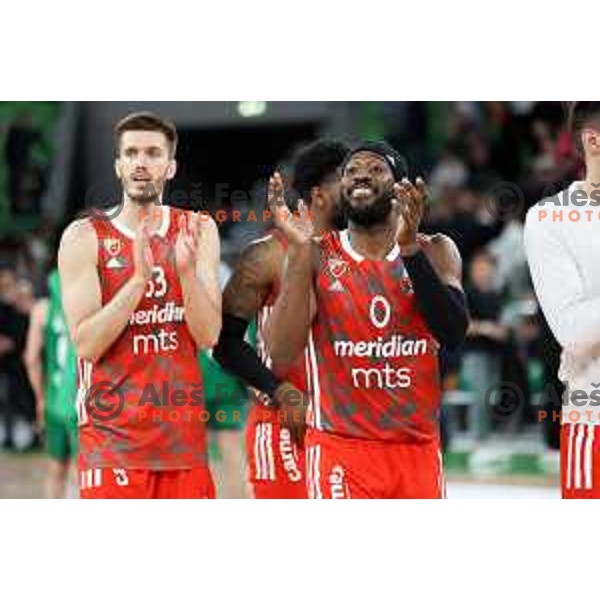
{"x": 296, "y": 374}
{"x": 374, "y": 370}
{"x": 141, "y": 404}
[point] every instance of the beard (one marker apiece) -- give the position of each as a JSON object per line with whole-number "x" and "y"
{"x": 149, "y": 195}
{"x": 338, "y": 219}
{"x": 373, "y": 214}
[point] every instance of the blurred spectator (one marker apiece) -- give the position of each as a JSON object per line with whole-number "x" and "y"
{"x": 449, "y": 174}
{"x": 508, "y": 250}
{"x": 543, "y": 163}
{"x": 485, "y": 340}
{"x": 19, "y": 143}
{"x": 466, "y": 219}
{"x": 7, "y": 349}
{"x": 504, "y": 139}
{"x": 482, "y": 172}
{"x": 17, "y": 403}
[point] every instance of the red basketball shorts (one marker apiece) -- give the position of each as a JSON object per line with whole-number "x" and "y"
{"x": 579, "y": 461}
{"x": 194, "y": 483}
{"x": 339, "y": 468}
{"x": 275, "y": 464}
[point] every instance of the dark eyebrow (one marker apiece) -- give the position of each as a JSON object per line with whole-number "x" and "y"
{"x": 154, "y": 149}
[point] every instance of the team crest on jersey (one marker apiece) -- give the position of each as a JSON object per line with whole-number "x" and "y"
{"x": 113, "y": 247}
{"x": 337, "y": 267}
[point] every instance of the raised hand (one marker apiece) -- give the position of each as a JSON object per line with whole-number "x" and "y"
{"x": 299, "y": 227}
{"x": 143, "y": 260}
{"x": 408, "y": 206}
{"x": 293, "y": 405}
{"x": 186, "y": 245}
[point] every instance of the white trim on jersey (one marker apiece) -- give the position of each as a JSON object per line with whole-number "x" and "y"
{"x": 257, "y": 451}
{"x": 161, "y": 231}
{"x": 261, "y": 347}
{"x": 310, "y": 421}
{"x": 270, "y": 457}
{"x": 578, "y": 444}
{"x": 316, "y": 386}
{"x": 392, "y": 255}
{"x": 263, "y": 452}
{"x": 313, "y": 473}
{"x": 580, "y": 457}
{"x": 588, "y": 457}
{"x": 84, "y": 376}
{"x": 308, "y": 472}
{"x": 441, "y": 476}
{"x": 318, "y": 472}
{"x": 570, "y": 457}
{"x": 347, "y": 246}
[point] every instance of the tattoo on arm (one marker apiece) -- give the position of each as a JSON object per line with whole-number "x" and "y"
{"x": 251, "y": 281}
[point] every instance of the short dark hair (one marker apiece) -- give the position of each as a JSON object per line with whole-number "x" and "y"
{"x": 579, "y": 115}
{"x": 314, "y": 163}
{"x": 390, "y": 155}
{"x": 147, "y": 121}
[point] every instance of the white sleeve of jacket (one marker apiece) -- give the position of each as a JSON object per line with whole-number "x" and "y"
{"x": 573, "y": 318}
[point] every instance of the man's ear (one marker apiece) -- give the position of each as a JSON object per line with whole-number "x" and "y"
{"x": 316, "y": 198}
{"x": 118, "y": 168}
{"x": 171, "y": 169}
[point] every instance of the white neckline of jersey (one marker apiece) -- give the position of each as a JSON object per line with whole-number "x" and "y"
{"x": 347, "y": 246}
{"x": 161, "y": 231}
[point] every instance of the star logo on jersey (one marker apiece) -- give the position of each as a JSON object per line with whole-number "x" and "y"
{"x": 336, "y": 286}
{"x": 406, "y": 286}
{"x": 113, "y": 248}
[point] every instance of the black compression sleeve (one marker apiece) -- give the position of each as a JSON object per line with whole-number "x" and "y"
{"x": 443, "y": 307}
{"x": 238, "y": 357}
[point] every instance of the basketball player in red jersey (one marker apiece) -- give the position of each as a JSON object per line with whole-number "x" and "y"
{"x": 141, "y": 294}
{"x": 384, "y": 299}
{"x": 275, "y": 425}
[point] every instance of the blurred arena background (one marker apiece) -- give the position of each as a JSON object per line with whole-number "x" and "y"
{"x": 485, "y": 162}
